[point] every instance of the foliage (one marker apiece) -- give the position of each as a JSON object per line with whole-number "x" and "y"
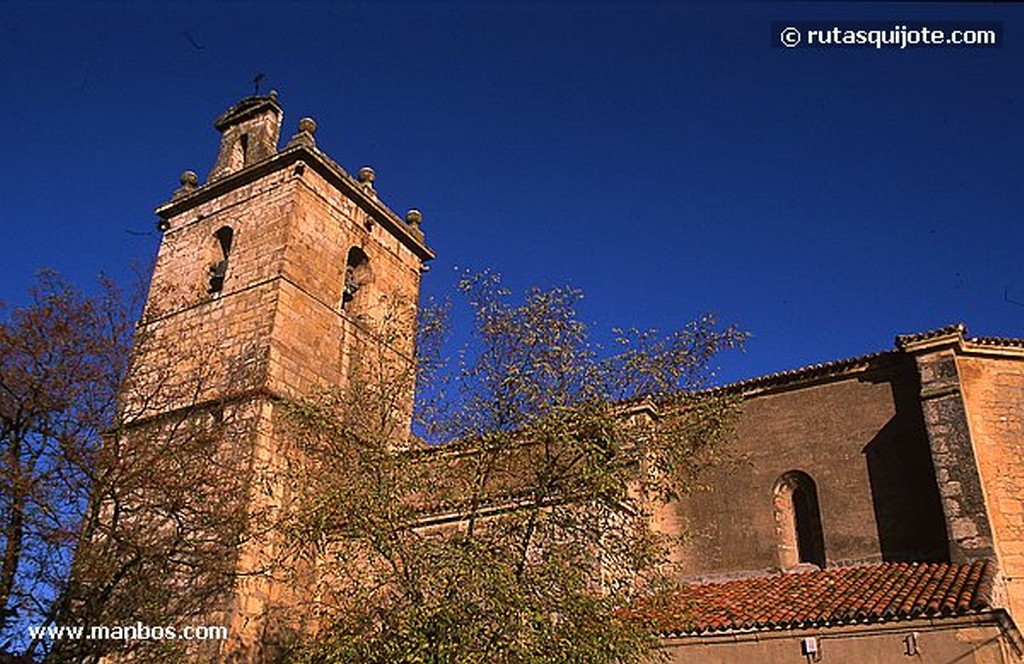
{"x": 105, "y": 519}
{"x": 523, "y": 530}
{"x": 61, "y": 358}
{"x": 518, "y": 533}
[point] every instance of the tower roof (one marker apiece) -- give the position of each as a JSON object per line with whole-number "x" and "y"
{"x": 246, "y": 108}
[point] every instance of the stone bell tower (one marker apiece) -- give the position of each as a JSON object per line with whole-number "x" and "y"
{"x": 273, "y": 269}
{"x": 283, "y": 253}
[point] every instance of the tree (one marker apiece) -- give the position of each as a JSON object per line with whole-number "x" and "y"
{"x": 520, "y": 532}
{"x": 109, "y": 516}
{"x": 61, "y": 358}
{"x": 513, "y": 528}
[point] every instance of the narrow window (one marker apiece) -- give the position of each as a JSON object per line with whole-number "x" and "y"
{"x": 239, "y": 152}
{"x": 357, "y": 275}
{"x": 219, "y": 270}
{"x": 798, "y": 521}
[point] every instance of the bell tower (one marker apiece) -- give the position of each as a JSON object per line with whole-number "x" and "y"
{"x": 281, "y": 253}
{"x": 275, "y": 268}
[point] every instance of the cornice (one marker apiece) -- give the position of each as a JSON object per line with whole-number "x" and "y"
{"x": 326, "y": 168}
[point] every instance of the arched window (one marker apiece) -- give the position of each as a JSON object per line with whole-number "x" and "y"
{"x": 357, "y": 275}
{"x": 219, "y": 270}
{"x": 798, "y": 521}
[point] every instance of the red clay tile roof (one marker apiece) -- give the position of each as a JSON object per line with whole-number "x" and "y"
{"x": 823, "y": 370}
{"x": 870, "y": 593}
{"x": 998, "y": 341}
{"x": 853, "y": 365}
{"x": 957, "y": 329}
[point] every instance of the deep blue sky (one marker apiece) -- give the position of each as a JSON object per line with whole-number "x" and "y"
{"x": 664, "y": 157}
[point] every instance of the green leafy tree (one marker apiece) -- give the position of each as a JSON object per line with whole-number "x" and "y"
{"x": 517, "y": 528}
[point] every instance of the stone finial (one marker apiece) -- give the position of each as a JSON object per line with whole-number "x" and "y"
{"x": 367, "y": 176}
{"x": 307, "y": 127}
{"x": 414, "y": 218}
{"x": 189, "y": 181}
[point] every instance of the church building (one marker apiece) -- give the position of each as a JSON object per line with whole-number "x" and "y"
{"x": 874, "y": 513}
{"x": 873, "y": 510}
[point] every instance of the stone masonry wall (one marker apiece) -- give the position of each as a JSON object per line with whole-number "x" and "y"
{"x": 312, "y": 334}
{"x": 224, "y": 336}
{"x": 956, "y": 469}
{"x": 861, "y": 441}
{"x": 993, "y": 392}
{"x": 984, "y": 642}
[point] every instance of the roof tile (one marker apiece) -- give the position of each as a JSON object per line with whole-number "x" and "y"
{"x": 867, "y": 593}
